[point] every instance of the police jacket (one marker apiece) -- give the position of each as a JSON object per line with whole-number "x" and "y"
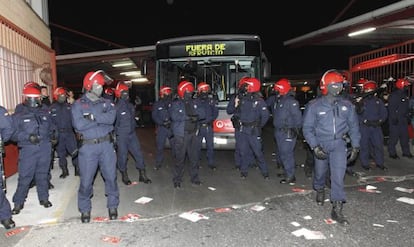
{"x": 160, "y": 113}
{"x": 253, "y": 112}
{"x": 125, "y": 123}
{"x": 373, "y": 111}
{"x": 6, "y": 125}
{"x": 61, "y": 115}
{"x": 286, "y": 112}
{"x": 231, "y": 107}
{"x": 182, "y": 117}
{"x": 208, "y": 108}
{"x": 102, "y": 122}
{"x": 33, "y": 121}
{"x": 329, "y": 118}
{"x": 398, "y": 107}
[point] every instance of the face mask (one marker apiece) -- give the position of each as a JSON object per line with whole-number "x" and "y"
{"x": 204, "y": 95}
{"x": 97, "y": 89}
{"x": 188, "y": 95}
{"x": 334, "y": 89}
{"x": 33, "y": 102}
{"x": 124, "y": 95}
{"x": 61, "y": 98}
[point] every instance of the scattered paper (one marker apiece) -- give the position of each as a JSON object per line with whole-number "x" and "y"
{"x": 111, "y": 239}
{"x": 296, "y": 189}
{"x": 212, "y": 188}
{"x": 100, "y": 219}
{"x": 143, "y": 200}
{"x": 193, "y": 216}
{"x": 222, "y": 210}
{"x": 378, "y": 225}
{"x": 308, "y": 234}
{"x": 404, "y": 189}
{"x": 133, "y": 183}
{"x": 406, "y": 200}
{"x": 294, "y": 223}
{"x": 16, "y": 231}
{"x": 370, "y": 187}
{"x": 236, "y": 206}
{"x": 130, "y": 217}
{"x": 329, "y": 221}
{"x": 307, "y": 217}
{"x": 392, "y": 221}
{"x": 368, "y": 191}
{"x": 257, "y": 208}
{"x": 380, "y": 179}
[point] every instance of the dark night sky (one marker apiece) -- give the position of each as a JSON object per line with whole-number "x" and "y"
{"x": 141, "y": 23}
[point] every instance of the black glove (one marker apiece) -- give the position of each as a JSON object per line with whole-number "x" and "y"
{"x": 352, "y": 157}
{"x": 34, "y": 139}
{"x": 54, "y": 141}
{"x": 1, "y": 147}
{"x": 194, "y": 118}
{"x": 89, "y": 116}
{"x": 320, "y": 154}
{"x": 166, "y": 124}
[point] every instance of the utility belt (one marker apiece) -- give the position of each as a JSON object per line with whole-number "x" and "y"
{"x": 106, "y": 138}
{"x": 250, "y": 124}
{"x": 205, "y": 124}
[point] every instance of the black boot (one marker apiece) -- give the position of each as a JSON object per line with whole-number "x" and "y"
{"x": 143, "y": 177}
{"x": 113, "y": 213}
{"x": 336, "y": 213}
{"x": 17, "y": 208}
{"x": 125, "y": 178}
{"x": 86, "y": 217}
{"x": 8, "y": 223}
{"x": 320, "y": 197}
{"x": 65, "y": 172}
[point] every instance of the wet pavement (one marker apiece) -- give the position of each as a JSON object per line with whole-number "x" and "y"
{"x": 224, "y": 211}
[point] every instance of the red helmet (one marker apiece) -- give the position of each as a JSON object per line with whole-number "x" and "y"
{"x": 253, "y": 85}
{"x": 370, "y": 86}
{"x": 120, "y": 87}
{"x": 362, "y": 81}
{"x": 109, "y": 91}
{"x": 242, "y": 81}
{"x": 185, "y": 86}
{"x": 31, "y": 91}
{"x": 93, "y": 77}
{"x": 31, "y": 84}
{"x": 282, "y": 86}
{"x": 330, "y": 77}
{"x": 401, "y": 83}
{"x": 58, "y": 91}
{"x": 203, "y": 87}
{"x": 165, "y": 90}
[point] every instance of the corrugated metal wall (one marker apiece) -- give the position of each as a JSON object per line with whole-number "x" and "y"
{"x": 22, "y": 57}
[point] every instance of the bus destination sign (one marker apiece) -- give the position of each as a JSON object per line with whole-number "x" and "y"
{"x": 220, "y": 48}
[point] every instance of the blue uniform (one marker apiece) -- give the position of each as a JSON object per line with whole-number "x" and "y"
{"x": 235, "y": 111}
{"x": 6, "y": 131}
{"x": 371, "y": 116}
{"x": 97, "y": 149}
{"x": 325, "y": 123}
{"x": 61, "y": 116}
{"x": 398, "y": 119}
{"x": 270, "y": 101}
{"x": 210, "y": 111}
{"x": 127, "y": 139}
{"x": 184, "y": 115}
{"x": 162, "y": 120}
{"x": 287, "y": 122}
{"x": 34, "y": 158}
{"x": 254, "y": 115}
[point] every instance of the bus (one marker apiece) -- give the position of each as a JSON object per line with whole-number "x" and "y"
{"x": 219, "y": 60}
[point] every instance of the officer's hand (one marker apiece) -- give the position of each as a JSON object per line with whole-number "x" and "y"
{"x": 54, "y": 141}
{"x": 34, "y": 139}
{"x": 353, "y": 155}
{"x": 166, "y": 123}
{"x": 2, "y": 147}
{"x": 89, "y": 116}
{"x": 320, "y": 154}
{"x": 194, "y": 118}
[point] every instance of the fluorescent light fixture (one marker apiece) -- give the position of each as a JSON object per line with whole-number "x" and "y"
{"x": 122, "y": 64}
{"x": 131, "y": 73}
{"x": 142, "y": 79}
{"x": 362, "y": 31}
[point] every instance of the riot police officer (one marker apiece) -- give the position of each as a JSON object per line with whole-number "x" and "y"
{"x": 372, "y": 113}
{"x": 184, "y": 123}
{"x": 287, "y": 122}
{"x": 162, "y": 120}
{"x": 254, "y": 114}
{"x": 126, "y": 137}
{"x": 207, "y": 104}
{"x": 61, "y": 115}
{"x": 326, "y": 120}
{"x": 35, "y": 133}
{"x": 398, "y": 113}
{"x": 93, "y": 121}
{"x": 6, "y": 132}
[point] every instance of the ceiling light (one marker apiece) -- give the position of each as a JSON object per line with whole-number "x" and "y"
{"x": 122, "y": 64}
{"x": 131, "y": 73}
{"x": 362, "y": 31}
{"x": 142, "y": 79}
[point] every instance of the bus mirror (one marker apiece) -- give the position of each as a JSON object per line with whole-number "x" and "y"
{"x": 144, "y": 70}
